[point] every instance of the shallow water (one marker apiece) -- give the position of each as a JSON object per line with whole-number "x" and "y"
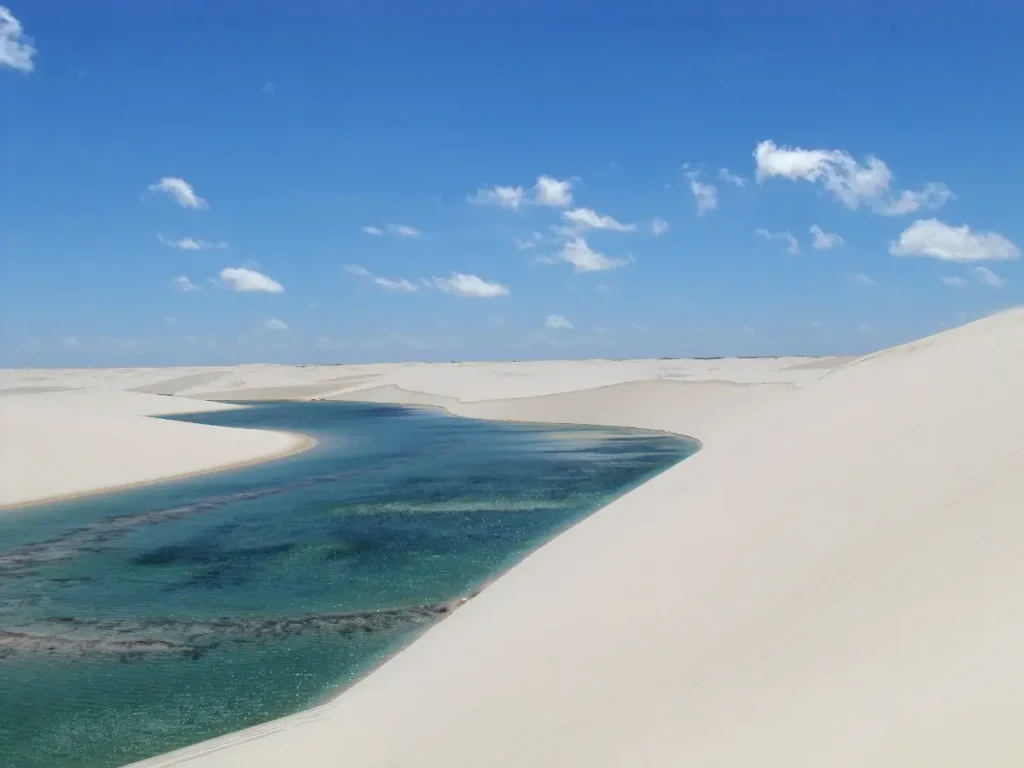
{"x": 141, "y": 621}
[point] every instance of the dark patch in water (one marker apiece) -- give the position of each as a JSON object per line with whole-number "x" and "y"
{"x": 204, "y": 552}
{"x": 100, "y": 536}
{"x": 127, "y": 639}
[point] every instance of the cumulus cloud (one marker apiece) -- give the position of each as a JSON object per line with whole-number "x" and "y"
{"x": 855, "y": 184}
{"x": 273, "y": 324}
{"x": 245, "y": 280}
{"x": 358, "y": 271}
{"x": 550, "y": 191}
{"x": 16, "y": 50}
{"x": 193, "y": 244}
{"x": 547, "y": 191}
{"x": 557, "y": 322}
{"x": 501, "y": 197}
{"x": 374, "y": 231}
{"x": 938, "y": 240}
{"x": 988, "y": 277}
{"x": 588, "y": 218}
{"x": 585, "y": 259}
{"x": 954, "y": 281}
{"x": 659, "y": 226}
{"x": 182, "y": 283}
{"x": 792, "y": 244}
{"x": 181, "y": 191}
{"x": 823, "y": 240}
{"x": 469, "y": 286}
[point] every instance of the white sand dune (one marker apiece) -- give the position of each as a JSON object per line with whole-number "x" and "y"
{"x": 56, "y": 444}
{"x": 836, "y": 579}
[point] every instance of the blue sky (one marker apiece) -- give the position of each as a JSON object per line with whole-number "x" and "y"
{"x": 187, "y": 182}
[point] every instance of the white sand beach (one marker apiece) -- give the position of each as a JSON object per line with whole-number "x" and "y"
{"x": 835, "y": 579}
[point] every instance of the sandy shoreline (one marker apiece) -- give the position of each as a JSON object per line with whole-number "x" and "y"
{"x": 301, "y": 443}
{"x": 835, "y": 579}
{"x": 63, "y": 445}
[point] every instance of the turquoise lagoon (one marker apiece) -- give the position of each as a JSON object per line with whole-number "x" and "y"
{"x": 136, "y": 622}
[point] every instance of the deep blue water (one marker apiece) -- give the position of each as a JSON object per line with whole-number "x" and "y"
{"x": 140, "y": 621}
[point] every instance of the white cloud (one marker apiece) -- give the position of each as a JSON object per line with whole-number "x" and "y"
{"x": 954, "y": 281}
{"x": 934, "y": 195}
{"x": 469, "y": 286}
{"x": 938, "y": 240}
{"x": 852, "y": 183}
{"x": 193, "y": 244}
{"x": 659, "y": 226}
{"x": 403, "y": 230}
{"x": 823, "y": 240}
{"x": 792, "y": 244}
{"x": 16, "y": 50}
{"x": 551, "y": 191}
{"x": 182, "y": 283}
{"x": 273, "y": 324}
{"x": 585, "y": 259}
{"x": 401, "y": 285}
{"x": 557, "y": 322}
{"x": 861, "y": 279}
{"x": 588, "y": 218}
{"x": 457, "y": 284}
{"x": 72, "y": 343}
{"x": 705, "y": 194}
{"x": 375, "y": 231}
{"x": 731, "y": 178}
{"x": 181, "y": 191}
{"x": 502, "y": 197}
{"x": 988, "y": 277}
{"x": 545, "y": 259}
{"x": 249, "y": 281}
{"x": 533, "y": 240}
{"x": 547, "y": 191}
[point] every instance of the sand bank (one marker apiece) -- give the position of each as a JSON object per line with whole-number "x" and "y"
{"x": 837, "y": 579}
{"x": 67, "y": 443}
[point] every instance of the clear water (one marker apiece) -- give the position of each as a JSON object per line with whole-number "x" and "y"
{"x": 141, "y": 621}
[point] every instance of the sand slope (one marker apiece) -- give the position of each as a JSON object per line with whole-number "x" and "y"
{"x": 55, "y": 444}
{"x": 837, "y": 579}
